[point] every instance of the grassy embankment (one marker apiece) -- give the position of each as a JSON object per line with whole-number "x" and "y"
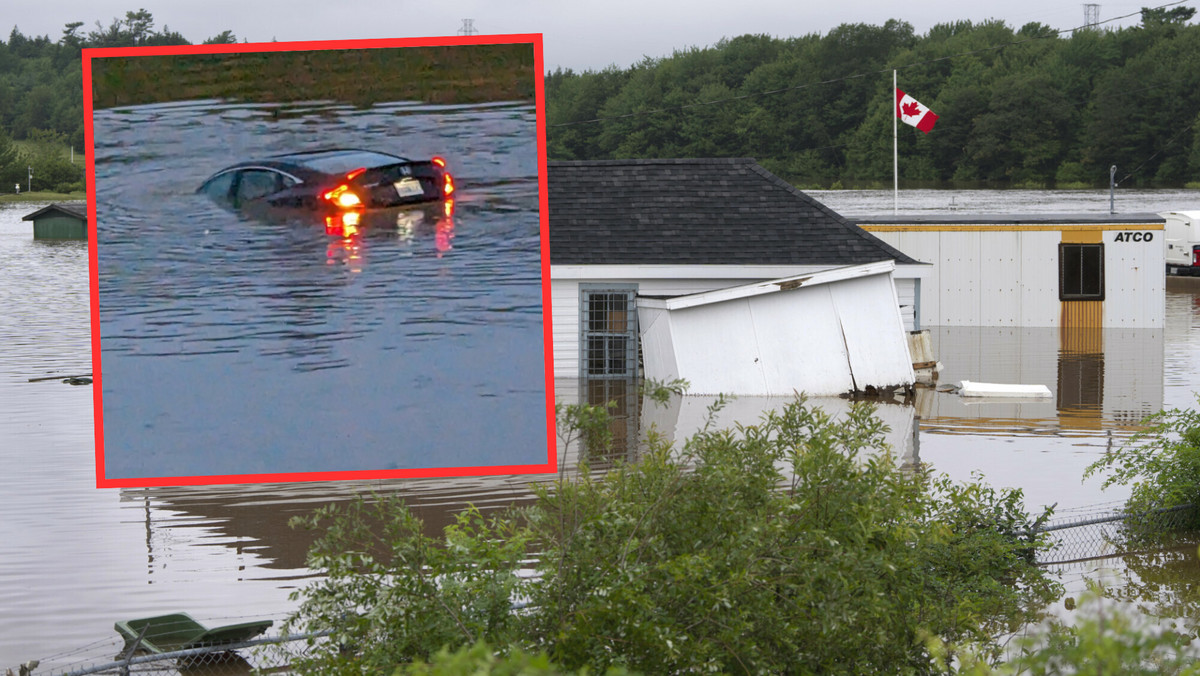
{"x": 440, "y": 75}
{"x": 42, "y": 196}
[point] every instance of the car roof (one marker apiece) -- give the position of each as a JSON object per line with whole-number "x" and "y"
{"x": 337, "y": 161}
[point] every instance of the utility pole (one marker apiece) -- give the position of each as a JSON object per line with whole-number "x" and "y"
{"x": 30, "y": 188}
{"x": 468, "y": 27}
{"x": 1112, "y": 185}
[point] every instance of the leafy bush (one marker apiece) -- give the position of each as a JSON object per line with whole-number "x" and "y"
{"x": 1162, "y": 463}
{"x": 796, "y": 545}
{"x": 481, "y": 660}
{"x": 1104, "y": 637}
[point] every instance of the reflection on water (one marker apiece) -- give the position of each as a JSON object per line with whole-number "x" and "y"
{"x": 1091, "y": 393}
{"x": 285, "y": 342}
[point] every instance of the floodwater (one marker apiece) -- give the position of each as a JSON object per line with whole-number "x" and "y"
{"x": 358, "y": 350}
{"x": 77, "y": 558}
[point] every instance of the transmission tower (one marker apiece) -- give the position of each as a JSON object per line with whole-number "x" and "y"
{"x": 1091, "y": 16}
{"x": 468, "y": 27}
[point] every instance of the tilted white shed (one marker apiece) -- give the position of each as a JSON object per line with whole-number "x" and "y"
{"x": 823, "y": 333}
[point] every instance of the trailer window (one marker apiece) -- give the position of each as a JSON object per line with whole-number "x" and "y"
{"x": 1081, "y": 271}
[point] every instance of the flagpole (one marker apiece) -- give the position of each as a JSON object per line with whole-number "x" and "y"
{"x": 895, "y": 151}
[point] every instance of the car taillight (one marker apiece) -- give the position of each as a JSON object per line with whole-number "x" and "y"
{"x": 447, "y": 185}
{"x": 439, "y": 161}
{"x": 343, "y": 197}
{"x": 1196, "y": 255}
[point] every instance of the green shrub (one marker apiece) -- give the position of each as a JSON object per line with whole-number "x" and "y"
{"x": 1103, "y": 637}
{"x": 481, "y": 660}
{"x": 796, "y": 545}
{"x": 1073, "y": 174}
{"x": 1161, "y": 463}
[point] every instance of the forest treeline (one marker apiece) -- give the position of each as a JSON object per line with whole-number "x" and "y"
{"x": 1028, "y": 107}
{"x": 41, "y": 97}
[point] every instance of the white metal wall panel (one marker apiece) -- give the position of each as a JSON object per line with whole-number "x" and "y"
{"x": 716, "y": 349}
{"x": 959, "y": 278}
{"x": 658, "y": 347}
{"x": 1134, "y": 281}
{"x": 999, "y": 278}
{"x": 1039, "y": 277}
{"x": 799, "y": 343}
{"x": 873, "y": 331}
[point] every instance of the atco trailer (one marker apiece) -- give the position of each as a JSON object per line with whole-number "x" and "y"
{"x": 1182, "y": 234}
{"x": 1066, "y": 270}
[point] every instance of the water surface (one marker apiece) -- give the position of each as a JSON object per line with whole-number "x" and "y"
{"x": 77, "y": 558}
{"x": 235, "y": 345}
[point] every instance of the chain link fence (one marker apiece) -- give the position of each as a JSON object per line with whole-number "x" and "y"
{"x": 1104, "y": 531}
{"x": 265, "y": 655}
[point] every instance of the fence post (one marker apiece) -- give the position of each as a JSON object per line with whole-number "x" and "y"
{"x": 137, "y": 642}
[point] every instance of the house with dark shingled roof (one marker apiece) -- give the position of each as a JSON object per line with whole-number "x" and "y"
{"x": 620, "y": 229}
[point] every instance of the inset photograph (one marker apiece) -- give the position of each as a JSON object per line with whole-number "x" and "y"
{"x": 319, "y": 260}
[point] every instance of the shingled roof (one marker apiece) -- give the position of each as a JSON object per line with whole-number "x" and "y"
{"x": 73, "y": 209}
{"x": 696, "y": 212}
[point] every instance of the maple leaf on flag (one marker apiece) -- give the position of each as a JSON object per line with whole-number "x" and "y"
{"x": 911, "y": 109}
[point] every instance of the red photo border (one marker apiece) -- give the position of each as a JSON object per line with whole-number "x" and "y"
{"x": 551, "y": 464}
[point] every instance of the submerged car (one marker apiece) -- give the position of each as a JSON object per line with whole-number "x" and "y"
{"x": 331, "y": 181}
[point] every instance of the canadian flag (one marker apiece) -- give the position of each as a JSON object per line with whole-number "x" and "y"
{"x": 910, "y": 111}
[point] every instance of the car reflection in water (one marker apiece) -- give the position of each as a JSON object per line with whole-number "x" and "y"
{"x": 348, "y": 191}
{"x": 348, "y": 229}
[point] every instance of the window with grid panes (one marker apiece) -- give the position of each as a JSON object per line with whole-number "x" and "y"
{"x": 608, "y": 319}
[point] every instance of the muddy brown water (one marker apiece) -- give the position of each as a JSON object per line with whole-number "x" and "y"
{"x": 75, "y": 559}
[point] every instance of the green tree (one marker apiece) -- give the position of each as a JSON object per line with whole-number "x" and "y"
{"x": 1162, "y": 16}
{"x": 10, "y": 163}
{"x": 51, "y": 168}
{"x": 223, "y": 38}
{"x": 1024, "y": 135}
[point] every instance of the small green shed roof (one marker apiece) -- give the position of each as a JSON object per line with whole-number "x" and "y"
{"x": 72, "y": 209}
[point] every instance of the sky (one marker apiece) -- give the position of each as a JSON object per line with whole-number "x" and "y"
{"x": 576, "y": 35}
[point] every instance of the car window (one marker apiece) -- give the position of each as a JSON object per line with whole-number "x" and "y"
{"x": 256, "y": 184}
{"x": 342, "y": 161}
{"x": 218, "y": 187}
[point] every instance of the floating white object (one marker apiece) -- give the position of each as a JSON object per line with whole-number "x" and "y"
{"x": 970, "y": 389}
